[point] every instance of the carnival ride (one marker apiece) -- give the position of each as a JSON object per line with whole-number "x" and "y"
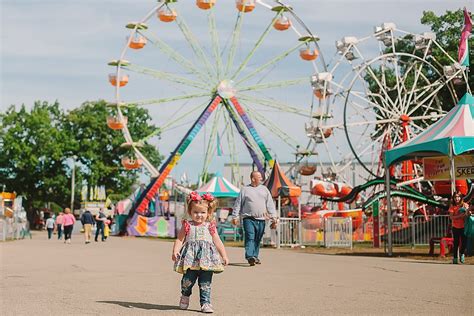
{"x": 240, "y": 83}
{"x": 380, "y": 101}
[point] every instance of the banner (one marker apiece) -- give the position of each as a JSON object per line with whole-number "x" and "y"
{"x": 437, "y": 168}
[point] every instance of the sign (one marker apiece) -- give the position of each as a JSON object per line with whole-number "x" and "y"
{"x": 437, "y": 168}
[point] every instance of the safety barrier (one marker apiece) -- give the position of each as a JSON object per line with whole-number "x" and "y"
{"x": 289, "y": 232}
{"x": 416, "y": 232}
{"x": 338, "y": 232}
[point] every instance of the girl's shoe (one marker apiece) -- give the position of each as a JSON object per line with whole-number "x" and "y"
{"x": 207, "y": 308}
{"x": 184, "y": 302}
{"x": 455, "y": 260}
{"x": 462, "y": 259}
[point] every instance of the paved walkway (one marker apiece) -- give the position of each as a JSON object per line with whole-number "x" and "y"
{"x": 133, "y": 276}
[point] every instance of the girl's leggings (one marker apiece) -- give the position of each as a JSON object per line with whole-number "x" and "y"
{"x": 459, "y": 241}
{"x": 68, "y": 232}
{"x": 204, "y": 279}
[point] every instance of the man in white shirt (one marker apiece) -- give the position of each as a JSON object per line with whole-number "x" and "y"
{"x": 254, "y": 204}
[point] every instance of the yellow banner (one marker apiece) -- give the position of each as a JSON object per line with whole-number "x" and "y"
{"x": 437, "y": 168}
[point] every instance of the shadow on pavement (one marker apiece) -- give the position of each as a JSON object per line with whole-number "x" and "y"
{"x": 240, "y": 265}
{"x": 142, "y": 305}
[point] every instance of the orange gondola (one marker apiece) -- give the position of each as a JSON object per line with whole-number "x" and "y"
{"x": 205, "y": 4}
{"x": 122, "y": 82}
{"x": 130, "y": 163}
{"x": 245, "y": 5}
{"x": 167, "y": 15}
{"x": 307, "y": 169}
{"x": 323, "y": 188}
{"x": 308, "y": 54}
{"x": 282, "y": 24}
{"x": 115, "y": 123}
{"x": 137, "y": 42}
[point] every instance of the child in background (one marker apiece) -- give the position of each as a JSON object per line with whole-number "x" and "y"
{"x": 196, "y": 250}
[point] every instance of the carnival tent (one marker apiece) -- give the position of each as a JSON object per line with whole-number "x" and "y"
{"x": 219, "y": 187}
{"x": 451, "y": 136}
{"x": 280, "y": 185}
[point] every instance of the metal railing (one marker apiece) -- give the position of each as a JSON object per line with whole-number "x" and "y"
{"x": 289, "y": 232}
{"x": 338, "y": 232}
{"x": 416, "y": 232}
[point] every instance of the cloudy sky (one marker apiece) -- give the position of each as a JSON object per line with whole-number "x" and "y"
{"x": 59, "y": 49}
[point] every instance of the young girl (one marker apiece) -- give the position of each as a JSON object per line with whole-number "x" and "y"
{"x": 198, "y": 258}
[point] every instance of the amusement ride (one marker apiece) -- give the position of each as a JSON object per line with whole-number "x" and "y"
{"x": 376, "y": 92}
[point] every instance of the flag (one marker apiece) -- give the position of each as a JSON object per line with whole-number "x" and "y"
{"x": 463, "y": 53}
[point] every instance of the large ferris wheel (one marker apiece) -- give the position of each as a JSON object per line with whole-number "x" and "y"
{"x": 384, "y": 88}
{"x": 190, "y": 60}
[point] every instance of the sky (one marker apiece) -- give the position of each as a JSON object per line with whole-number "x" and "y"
{"x": 58, "y": 50}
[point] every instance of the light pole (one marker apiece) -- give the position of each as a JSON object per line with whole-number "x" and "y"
{"x": 73, "y": 180}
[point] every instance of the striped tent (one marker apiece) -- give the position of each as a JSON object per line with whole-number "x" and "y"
{"x": 219, "y": 187}
{"x": 280, "y": 185}
{"x": 454, "y": 133}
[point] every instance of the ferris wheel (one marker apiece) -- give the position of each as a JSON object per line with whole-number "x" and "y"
{"x": 236, "y": 68}
{"x": 384, "y": 89}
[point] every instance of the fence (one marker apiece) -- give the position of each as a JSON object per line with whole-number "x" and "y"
{"x": 289, "y": 232}
{"x": 417, "y": 231}
{"x": 420, "y": 229}
{"x": 10, "y": 229}
{"x": 338, "y": 232}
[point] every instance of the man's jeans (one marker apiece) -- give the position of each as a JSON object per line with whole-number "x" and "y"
{"x": 204, "y": 281}
{"x": 60, "y": 231}
{"x": 253, "y": 232}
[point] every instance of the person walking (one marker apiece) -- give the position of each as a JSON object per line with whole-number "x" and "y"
{"x": 50, "y": 226}
{"x": 196, "y": 251}
{"x": 59, "y": 225}
{"x": 457, "y": 213}
{"x": 100, "y": 219}
{"x": 68, "y": 222}
{"x": 87, "y": 221}
{"x": 254, "y": 205}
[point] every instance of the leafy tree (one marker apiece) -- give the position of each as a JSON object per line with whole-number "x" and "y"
{"x": 37, "y": 147}
{"x": 99, "y": 150}
{"x": 33, "y": 149}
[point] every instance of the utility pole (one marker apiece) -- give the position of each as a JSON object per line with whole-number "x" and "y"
{"x": 73, "y": 180}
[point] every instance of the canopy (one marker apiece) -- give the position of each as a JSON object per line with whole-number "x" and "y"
{"x": 280, "y": 185}
{"x": 219, "y": 187}
{"x": 457, "y": 127}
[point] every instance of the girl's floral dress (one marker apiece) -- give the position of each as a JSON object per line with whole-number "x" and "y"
{"x": 198, "y": 251}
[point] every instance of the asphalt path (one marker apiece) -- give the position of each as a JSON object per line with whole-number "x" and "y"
{"x": 133, "y": 276}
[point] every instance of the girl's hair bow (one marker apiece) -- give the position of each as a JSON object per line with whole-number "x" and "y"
{"x": 208, "y": 197}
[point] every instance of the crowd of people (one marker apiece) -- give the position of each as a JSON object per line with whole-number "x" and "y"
{"x": 63, "y": 225}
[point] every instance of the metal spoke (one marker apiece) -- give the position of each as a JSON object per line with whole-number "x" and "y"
{"x": 166, "y": 76}
{"x": 271, "y": 62}
{"x": 276, "y": 84}
{"x": 170, "y": 123}
{"x": 417, "y": 74}
{"x": 256, "y": 46}
{"x": 176, "y": 56}
{"x": 397, "y": 72}
{"x": 233, "y": 45}
{"x": 273, "y": 128}
{"x": 441, "y": 83}
{"x": 166, "y": 100}
{"x": 215, "y": 44}
{"x": 194, "y": 44}
{"x": 276, "y": 105}
{"x": 381, "y": 87}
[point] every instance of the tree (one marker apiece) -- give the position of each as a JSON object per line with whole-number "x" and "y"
{"x": 33, "y": 149}
{"x": 98, "y": 148}
{"x": 36, "y": 148}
